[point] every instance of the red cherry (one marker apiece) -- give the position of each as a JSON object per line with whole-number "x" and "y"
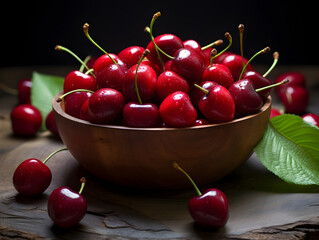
{"x": 66, "y": 207}
{"x": 235, "y": 64}
{"x": 201, "y": 122}
{"x": 311, "y": 118}
{"x": 189, "y": 64}
{"x": 217, "y": 105}
{"x": 295, "y": 99}
{"x": 218, "y": 73}
{"x": 26, "y": 120}
{"x": 210, "y": 209}
{"x": 84, "y": 112}
{"x": 111, "y": 76}
{"x": 274, "y": 112}
{"x": 91, "y": 62}
{"x": 192, "y": 44}
{"x": 32, "y": 177}
{"x": 131, "y": 55}
{"x": 50, "y": 124}
{"x": 169, "y": 82}
{"x": 247, "y": 100}
{"x": 222, "y": 56}
{"x": 105, "y": 106}
{"x": 104, "y": 60}
{"x": 141, "y": 115}
{"x": 177, "y": 110}
{"x": 155, "y": 67}
{"x": 73, "y": 102}
{"x": 24, "y": 91}
{"x": 295, "y": 79}
{"x": 146, "y": 83}
{"x": 196, "y": 93}
{"x": 79, "y": 80}
{"x": 259, "y": 81}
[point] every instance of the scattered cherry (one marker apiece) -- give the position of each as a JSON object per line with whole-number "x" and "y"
{"x": 66, "y": 207}
{"x": 24, "y": 91}
{"x": 311, "y": 118}
{"x": 26, "y": 120}
{"x": 50, "y": 124}
{"x": 210, "y": 208}
{"x": 32, "y": 177}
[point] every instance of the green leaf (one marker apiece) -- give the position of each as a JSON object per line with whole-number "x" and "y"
{"x": 290, "y": 149}
{"x": 44, "y": 88}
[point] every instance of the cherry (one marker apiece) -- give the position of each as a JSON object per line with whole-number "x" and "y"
{"x": 111, "y": 76}
{"x": 146, "y": 83}
{"x": 234, "y": 63}
{"x": 192, "y": 44}
{"x": 131, "y": 55}
{"x": 311, "y": 118}
{"x": 26, "y": 120}
{"x": 168, "y": 43}
{"x": 50, "y": 124}
{"x": 24, "y": 91}
{"x": 197, "y": 93}
{"x": 84, "y": 112}
{"x": 295, "y": 99}
{"x": 74, "y": 100}
{"x": 209, "y": 209}
{"x": 201, "y": 122}
{"x": 105, "y": 106}
{"x": 169, "y": 82}
{"x": 217, "y": 105}
{"x": 218, "y": 73}
{"x": 258, "y": 81}
{"x": 206, "y": 50}
{"x": 139, "y": 114}
{"x": 274, "y": 112}
{"x": 295, "y": 79}
{"x": 32, "y": 177}
{"x": 66, "y": 207}
{"x": 177, "y": 110}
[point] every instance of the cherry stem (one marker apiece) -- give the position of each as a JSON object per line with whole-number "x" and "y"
{"x": 86, "y": 32}
{"x": 48, "y": 157}
{"x": 85, "y": 61}
{"x": 230, "y": 39}
{"x": 59, "y": 99}
{"x": 265, "y": 50}
{"x": 176, "y": 166}
{"x": 60, "y": 48}
{"x": 212, "y": 55}
{"x": 213, "y": 44}
{"x": 201, "y": 88}
{"x": 9, "y": 90}
{"x": 272, "y": 85}
{"x": 145, "y": 53}
{"x": 276, "y": 57}
{"x": 83, "y": 181}
{"x": 157, "y": 48}
{"x": 241, "y": 29}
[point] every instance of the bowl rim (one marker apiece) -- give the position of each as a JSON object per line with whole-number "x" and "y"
{"x": 56, "y": 106}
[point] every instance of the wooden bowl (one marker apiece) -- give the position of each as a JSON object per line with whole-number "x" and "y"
{"x": 142, "y": 157}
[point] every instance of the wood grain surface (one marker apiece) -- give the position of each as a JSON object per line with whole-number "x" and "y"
{"x": 261, "y": 205}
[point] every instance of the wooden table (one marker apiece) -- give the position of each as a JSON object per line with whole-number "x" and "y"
{"x": 261, "y": 205}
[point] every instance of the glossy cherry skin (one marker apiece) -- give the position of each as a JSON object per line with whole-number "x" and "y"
{"x": 258, "y": 81}
{"x": 311, "y": 118}
{"x": 111, "y": 76}
{"x": 189, "y": 64}
{"x": 146, "y": 82}
{"x": 235, "y": 65}
{"x": 73, "y": 102}
{"x": 66, "y": 207}
{"x": 247, "y": 100}
{"x": 31, "y": 177}
{"x": 26, "y": 120}
{"x": 79, "y": 80}
{"x": 84, "y": 112}
{"x": 192, "y": 44}
{"x": 155, "y": 67}
{"x": 131, "y": 55}
{"x": 274, "y": 112}
{"x": 141, "y": 115}
{"x": 104, "y": 60}
{"x": 196, "y": 94}
{"x": 169, "y": 82}
{"x": 91, "y": 62}
{"x": 295, "y": 99}
{"x": 169, "y": 43}
{"x": 210, "y": 210}
{"x": 218, "y": 73}
{"x": 50, "y": 124}
{"x": 24, "y": 91}
{"x": 201, "y": 122}
{"x": 218, "y": 105}
{"x": 177, "y": 110}
{"x": 295, "y": 79}
{"x": 105, "y": 106}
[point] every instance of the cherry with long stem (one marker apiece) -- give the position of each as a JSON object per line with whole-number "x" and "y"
{"x": 86, "y": 32}
{"x": 230, "y": 42}
{"x": 272, "y": 85}
{"x": 264, "y": 50}
{"x": 241, "y": 29}
{"x": 146, "y": 52}
{"x": 276, "y": 57}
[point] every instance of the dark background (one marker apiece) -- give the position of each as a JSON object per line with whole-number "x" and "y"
{"x": 31, "y": 30}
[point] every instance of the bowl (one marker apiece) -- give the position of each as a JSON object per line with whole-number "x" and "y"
{"x": 142, "y": 157}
